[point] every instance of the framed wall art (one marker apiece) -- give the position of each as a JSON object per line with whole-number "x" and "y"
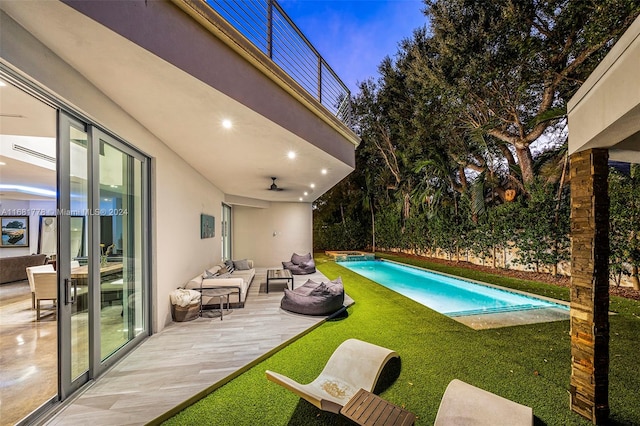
{"x": 207, "y": 226}
{"x": 15, "y": 231}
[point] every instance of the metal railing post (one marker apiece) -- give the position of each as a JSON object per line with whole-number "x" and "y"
{"x": 270, "y": 28}
{"x": 320, "y": 79}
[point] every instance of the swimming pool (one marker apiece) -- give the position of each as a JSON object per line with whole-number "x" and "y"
{"x": 445, "y": 294}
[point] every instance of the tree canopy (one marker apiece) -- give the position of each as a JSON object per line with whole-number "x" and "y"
{"x": 464, "y": 130}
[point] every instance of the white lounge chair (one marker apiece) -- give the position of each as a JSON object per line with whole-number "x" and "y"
{"x": 353, "y": 365}
{"x": 464, "y": 404}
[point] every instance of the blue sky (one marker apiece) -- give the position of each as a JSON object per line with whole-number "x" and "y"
{"x": 355, "y": 35}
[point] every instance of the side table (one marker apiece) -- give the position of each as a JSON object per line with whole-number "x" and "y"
{"x": 220, "y": 292}
{"x": 279, "y": 274}
{"x": 367, "y": 409}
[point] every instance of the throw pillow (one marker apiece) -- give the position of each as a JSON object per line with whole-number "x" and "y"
{"x": 308, "y": 264}
{"x": 320, "y": 290}
{"x": 306, "y": 288}
{"x": 208, "y": 274}
{"x": 229, "y": 265}
{"x": 241, "y": 265}
{"x": 298, "y": 259}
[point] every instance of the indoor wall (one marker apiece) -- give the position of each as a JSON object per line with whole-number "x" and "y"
{"x": 33, "y": 207}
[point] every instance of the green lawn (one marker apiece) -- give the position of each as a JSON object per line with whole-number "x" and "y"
{"x": 528, "y": 364}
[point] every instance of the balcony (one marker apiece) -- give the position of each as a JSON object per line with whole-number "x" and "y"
{"x": 266, "y": 25}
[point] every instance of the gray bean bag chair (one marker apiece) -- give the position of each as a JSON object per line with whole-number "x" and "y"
{"x": 300, "y": 264}
{"x": 314, "y": 298}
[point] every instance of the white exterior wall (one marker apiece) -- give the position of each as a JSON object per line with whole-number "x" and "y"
{"x": 605, "y": 111}
{"x": 270, "y": 235}
{"x": 179, "y": 194}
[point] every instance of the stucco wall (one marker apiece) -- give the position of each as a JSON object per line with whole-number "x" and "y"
{"x": 179, "y": 193}
{"x": 270, "y": 235}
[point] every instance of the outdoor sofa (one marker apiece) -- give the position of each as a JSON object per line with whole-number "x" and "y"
{"x": 236, "y": 274}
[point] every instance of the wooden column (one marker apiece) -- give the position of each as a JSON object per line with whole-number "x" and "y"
{"x": 589, "y": 387}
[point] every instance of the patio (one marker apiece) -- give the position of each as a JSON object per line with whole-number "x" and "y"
{"x": 186, "y": 359}
{"x": 527, "y": 364}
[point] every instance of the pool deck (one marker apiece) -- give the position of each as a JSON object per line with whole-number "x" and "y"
{"x": 185, "y": 359}
{"x": 508, "y": 319}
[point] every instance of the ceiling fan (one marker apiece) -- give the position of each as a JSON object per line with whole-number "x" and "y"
{"x": 273, "y": 186}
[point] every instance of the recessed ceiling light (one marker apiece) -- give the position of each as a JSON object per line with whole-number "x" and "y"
{"x": 226, "y": 123}
{"x": 306, "y": 193}
{"x": 300, "y": 198}
{"x": 324, "y": 171}
{"x": 313, "y": 185}
{"x": 291, "y": 155}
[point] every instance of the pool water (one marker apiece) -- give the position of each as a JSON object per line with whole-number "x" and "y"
{"x": 447, "y": 295}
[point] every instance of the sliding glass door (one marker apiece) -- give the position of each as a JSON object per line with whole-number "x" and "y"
{"x": 121, "y": 245}
{"x": 74, "y": 150}
{"x": 102, "y": 212}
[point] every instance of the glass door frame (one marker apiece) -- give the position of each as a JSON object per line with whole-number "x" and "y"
{"x": 67, "y": 384}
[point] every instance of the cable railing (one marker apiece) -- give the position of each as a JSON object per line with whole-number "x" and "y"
{"x": 269, "y": 28}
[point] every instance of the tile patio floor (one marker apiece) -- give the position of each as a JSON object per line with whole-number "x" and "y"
{"x": 187, "y": 358}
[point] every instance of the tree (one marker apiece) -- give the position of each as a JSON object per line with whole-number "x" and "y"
{"x": 513, "y": 65}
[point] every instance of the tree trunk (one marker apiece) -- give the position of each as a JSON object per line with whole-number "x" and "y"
{"x": 634, "y": 277}
{"x": 525, "y": 159}
{"x": 373, "y": 230}
{"x": 493, "y": 257}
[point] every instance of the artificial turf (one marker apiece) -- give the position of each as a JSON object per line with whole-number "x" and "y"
{"x": 528, "y": 364}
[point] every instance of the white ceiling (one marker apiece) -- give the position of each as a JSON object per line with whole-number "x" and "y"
{"x": 35, "y": 125}
{"x": 183, "y": 112}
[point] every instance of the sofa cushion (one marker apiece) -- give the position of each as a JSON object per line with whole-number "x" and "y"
{"x": 219, "y": 276}
{"x": 208, "y": 274}
{"x": 241, "y": 265}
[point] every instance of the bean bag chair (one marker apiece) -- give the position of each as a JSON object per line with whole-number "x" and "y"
{"x": 313, "y": 298}
{"x": 300, "y": 264}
